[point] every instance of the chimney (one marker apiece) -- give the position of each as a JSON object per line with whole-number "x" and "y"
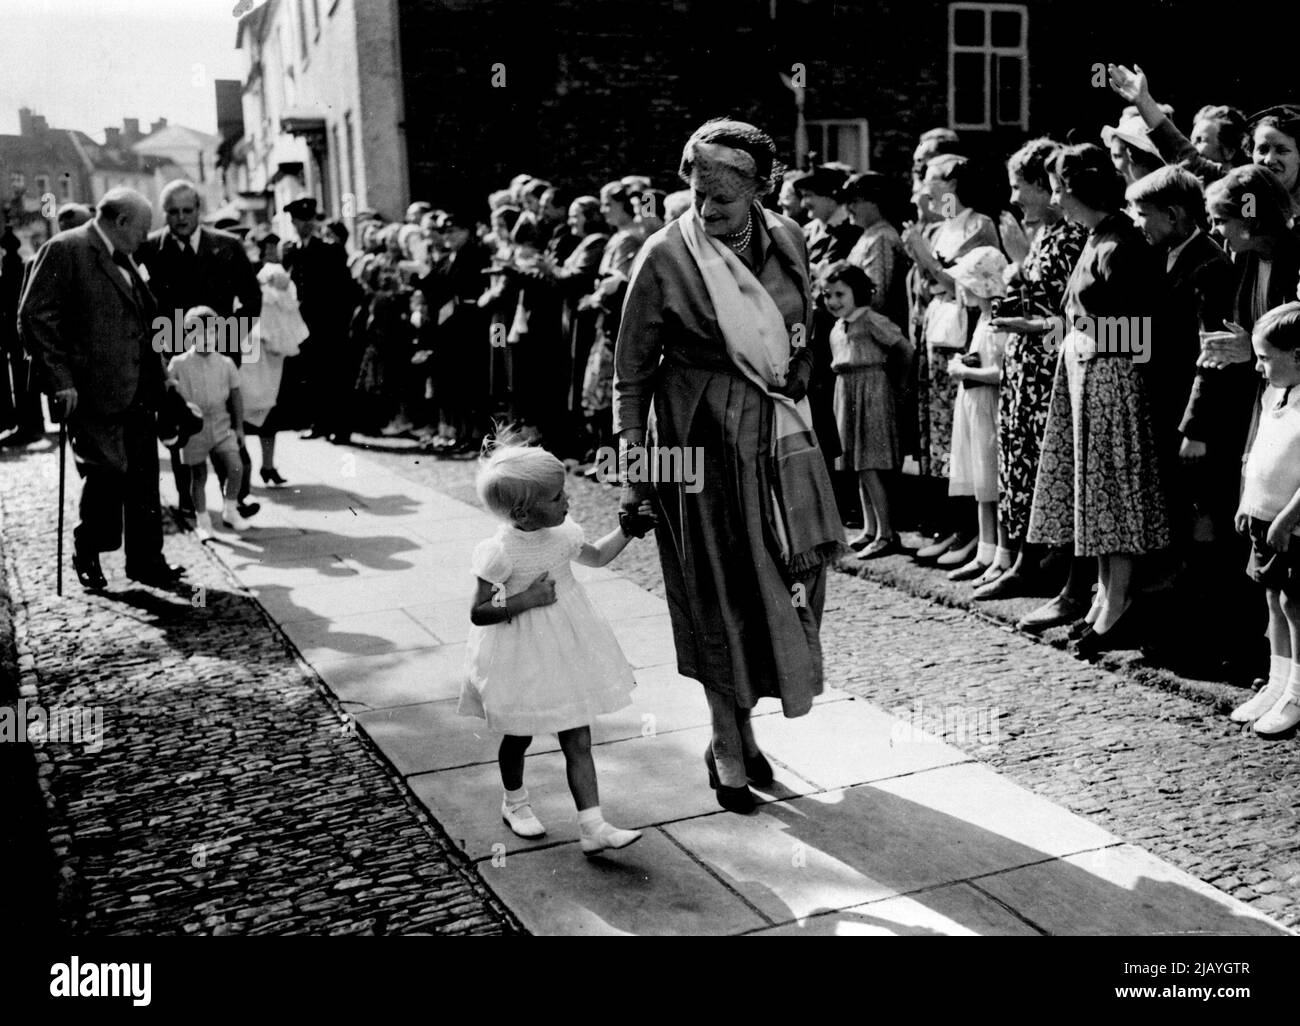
{"x": 158, "y": 126}
{"x": 39, "y": 125}
{"x": 24, "y": 121}
{"x": 113, "y": 138}
{"x": 130, "y": 129}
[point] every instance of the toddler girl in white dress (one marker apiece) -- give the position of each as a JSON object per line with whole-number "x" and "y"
{"x": 540, "y": 659}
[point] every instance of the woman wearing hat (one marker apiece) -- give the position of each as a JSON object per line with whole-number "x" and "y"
{"x": 1099, "y": 486}
{"x": 716, "y": 310}
{"x": 1132, "y": 152}
{"x": 1272, "y": 135}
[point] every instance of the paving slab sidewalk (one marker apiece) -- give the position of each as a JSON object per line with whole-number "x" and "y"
{"x": 872, "y": 826}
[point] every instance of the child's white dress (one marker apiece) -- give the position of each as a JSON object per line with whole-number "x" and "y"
{"x": 974, "y": 467}
{"x": 550, "y": 668}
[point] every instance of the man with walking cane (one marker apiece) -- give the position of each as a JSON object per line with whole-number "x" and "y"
{"x": 86, "y": 317}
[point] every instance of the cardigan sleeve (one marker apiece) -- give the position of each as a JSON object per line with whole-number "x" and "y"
{"x": 1176, "y": 148}
{"x": 640, "y": 343}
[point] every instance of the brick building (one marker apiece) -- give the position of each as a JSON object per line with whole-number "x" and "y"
{"x": 382, "y": 100}
{"x": 591, "y": 89}
{"x": 42, "y": 168}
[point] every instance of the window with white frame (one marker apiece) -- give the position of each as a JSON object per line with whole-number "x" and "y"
{"x": 42, "y": 184}
{"x": 988, "y": 66}
{"x": 843, "y": 139}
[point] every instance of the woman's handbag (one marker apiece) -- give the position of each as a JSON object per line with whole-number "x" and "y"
{"x": 519, "y": 327}
{"x": 945, "y": 323}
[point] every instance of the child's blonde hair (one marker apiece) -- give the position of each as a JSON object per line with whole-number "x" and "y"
{"x": 512, "y": 477}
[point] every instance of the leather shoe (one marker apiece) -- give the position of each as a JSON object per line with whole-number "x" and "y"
{"x": 1077, "y": 629}
{"x": 758, "y": 770}
{"x": 248, "y": 509}
{"x": 733, "y": 799}
{"x": 160, "y": 575}
{"x": 89, "y": 572}
{"x": 935, "y": 549}
{"x": 1123, "y": 633}
{"x": 1012, "y": 584}
{"x": 959, "y": 555}
{"x": 1060, "y": 610}
{"x": 968, "y": 572}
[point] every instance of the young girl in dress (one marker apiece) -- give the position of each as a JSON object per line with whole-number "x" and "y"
{"x": 978, "y": 276}
{"x": 209, "y": 380}
{"x": 1270, "y": 514}
{"x": 864, "y": 400}
{"x": 540, "y": 659}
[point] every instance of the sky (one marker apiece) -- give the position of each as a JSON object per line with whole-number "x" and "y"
{"x": 87, "y": 64}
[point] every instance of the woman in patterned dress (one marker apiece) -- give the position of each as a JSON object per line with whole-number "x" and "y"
{"x": 1037, "y": 290}
{"x": 1099, "y": 485}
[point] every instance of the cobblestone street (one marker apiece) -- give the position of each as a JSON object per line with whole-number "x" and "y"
{"x": 232, "y": 796}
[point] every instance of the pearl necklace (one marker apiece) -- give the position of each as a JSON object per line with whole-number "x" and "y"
{"x": 743, "y": 237}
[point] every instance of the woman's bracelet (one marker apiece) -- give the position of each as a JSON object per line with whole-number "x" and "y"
{"x": 625, "y": 451}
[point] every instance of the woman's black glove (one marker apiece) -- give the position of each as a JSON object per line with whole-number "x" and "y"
{"x": 798, "y": 376}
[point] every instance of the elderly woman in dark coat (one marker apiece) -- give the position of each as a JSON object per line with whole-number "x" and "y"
{"x": 714, "y": 338}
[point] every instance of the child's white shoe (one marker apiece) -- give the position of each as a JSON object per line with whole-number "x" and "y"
{"x": 200, "y": 531}
{"x": 606, "y": 837}
{"x": 231, "y": 518}
{"x": 521, "y": 820}
{"x": 1281, "y": 718}
{"x": 1260, "y": 703}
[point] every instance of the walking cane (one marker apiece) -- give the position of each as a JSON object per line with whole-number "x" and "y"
{"x": 63, "y": 448}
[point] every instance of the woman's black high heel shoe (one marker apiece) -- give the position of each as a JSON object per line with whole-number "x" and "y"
{"x": 1123, "y": 634}
{"x": 272, "y": 477}
{"x": 758, "y": 770}
{"x": 733, "y": 799}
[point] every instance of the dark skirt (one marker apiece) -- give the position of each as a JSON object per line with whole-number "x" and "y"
{"x": 741, "y": 626}
{"x": 865, "y": 417}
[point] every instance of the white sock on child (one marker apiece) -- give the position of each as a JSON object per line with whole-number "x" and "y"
{"x": 517, "y": 811}
{"x": 1004, "y": 557}
{"x": 985, "y": 552}
{"x": 1285, "y": 714}
{"x": 597, "y": 835}
{"x": 1279, "y": 669}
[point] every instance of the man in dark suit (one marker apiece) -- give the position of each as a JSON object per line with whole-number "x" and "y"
{"x": 86, "y": 317}
{"x": 189, "y": 266}
{"x": 320, "y": 384}
{"x": 457, "y": 329}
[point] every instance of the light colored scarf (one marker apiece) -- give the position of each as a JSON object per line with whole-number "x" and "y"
{"x": 805, "y": 521}
{"x": 752, "y": 327}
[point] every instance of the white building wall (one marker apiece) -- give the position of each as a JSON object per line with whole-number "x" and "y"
{"x": 350, "y": 75}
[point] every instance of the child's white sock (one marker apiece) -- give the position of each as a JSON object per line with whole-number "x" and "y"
{"x": 1004, "y": 557}
{"x": 1279, "y": 669}
{"x": 1293, "y": 682}
{"x": 1285, "y": 714}
{"x": 517, "y": 798}
{"x": 597, "y": 835}
{"x": 985, "y": 552}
